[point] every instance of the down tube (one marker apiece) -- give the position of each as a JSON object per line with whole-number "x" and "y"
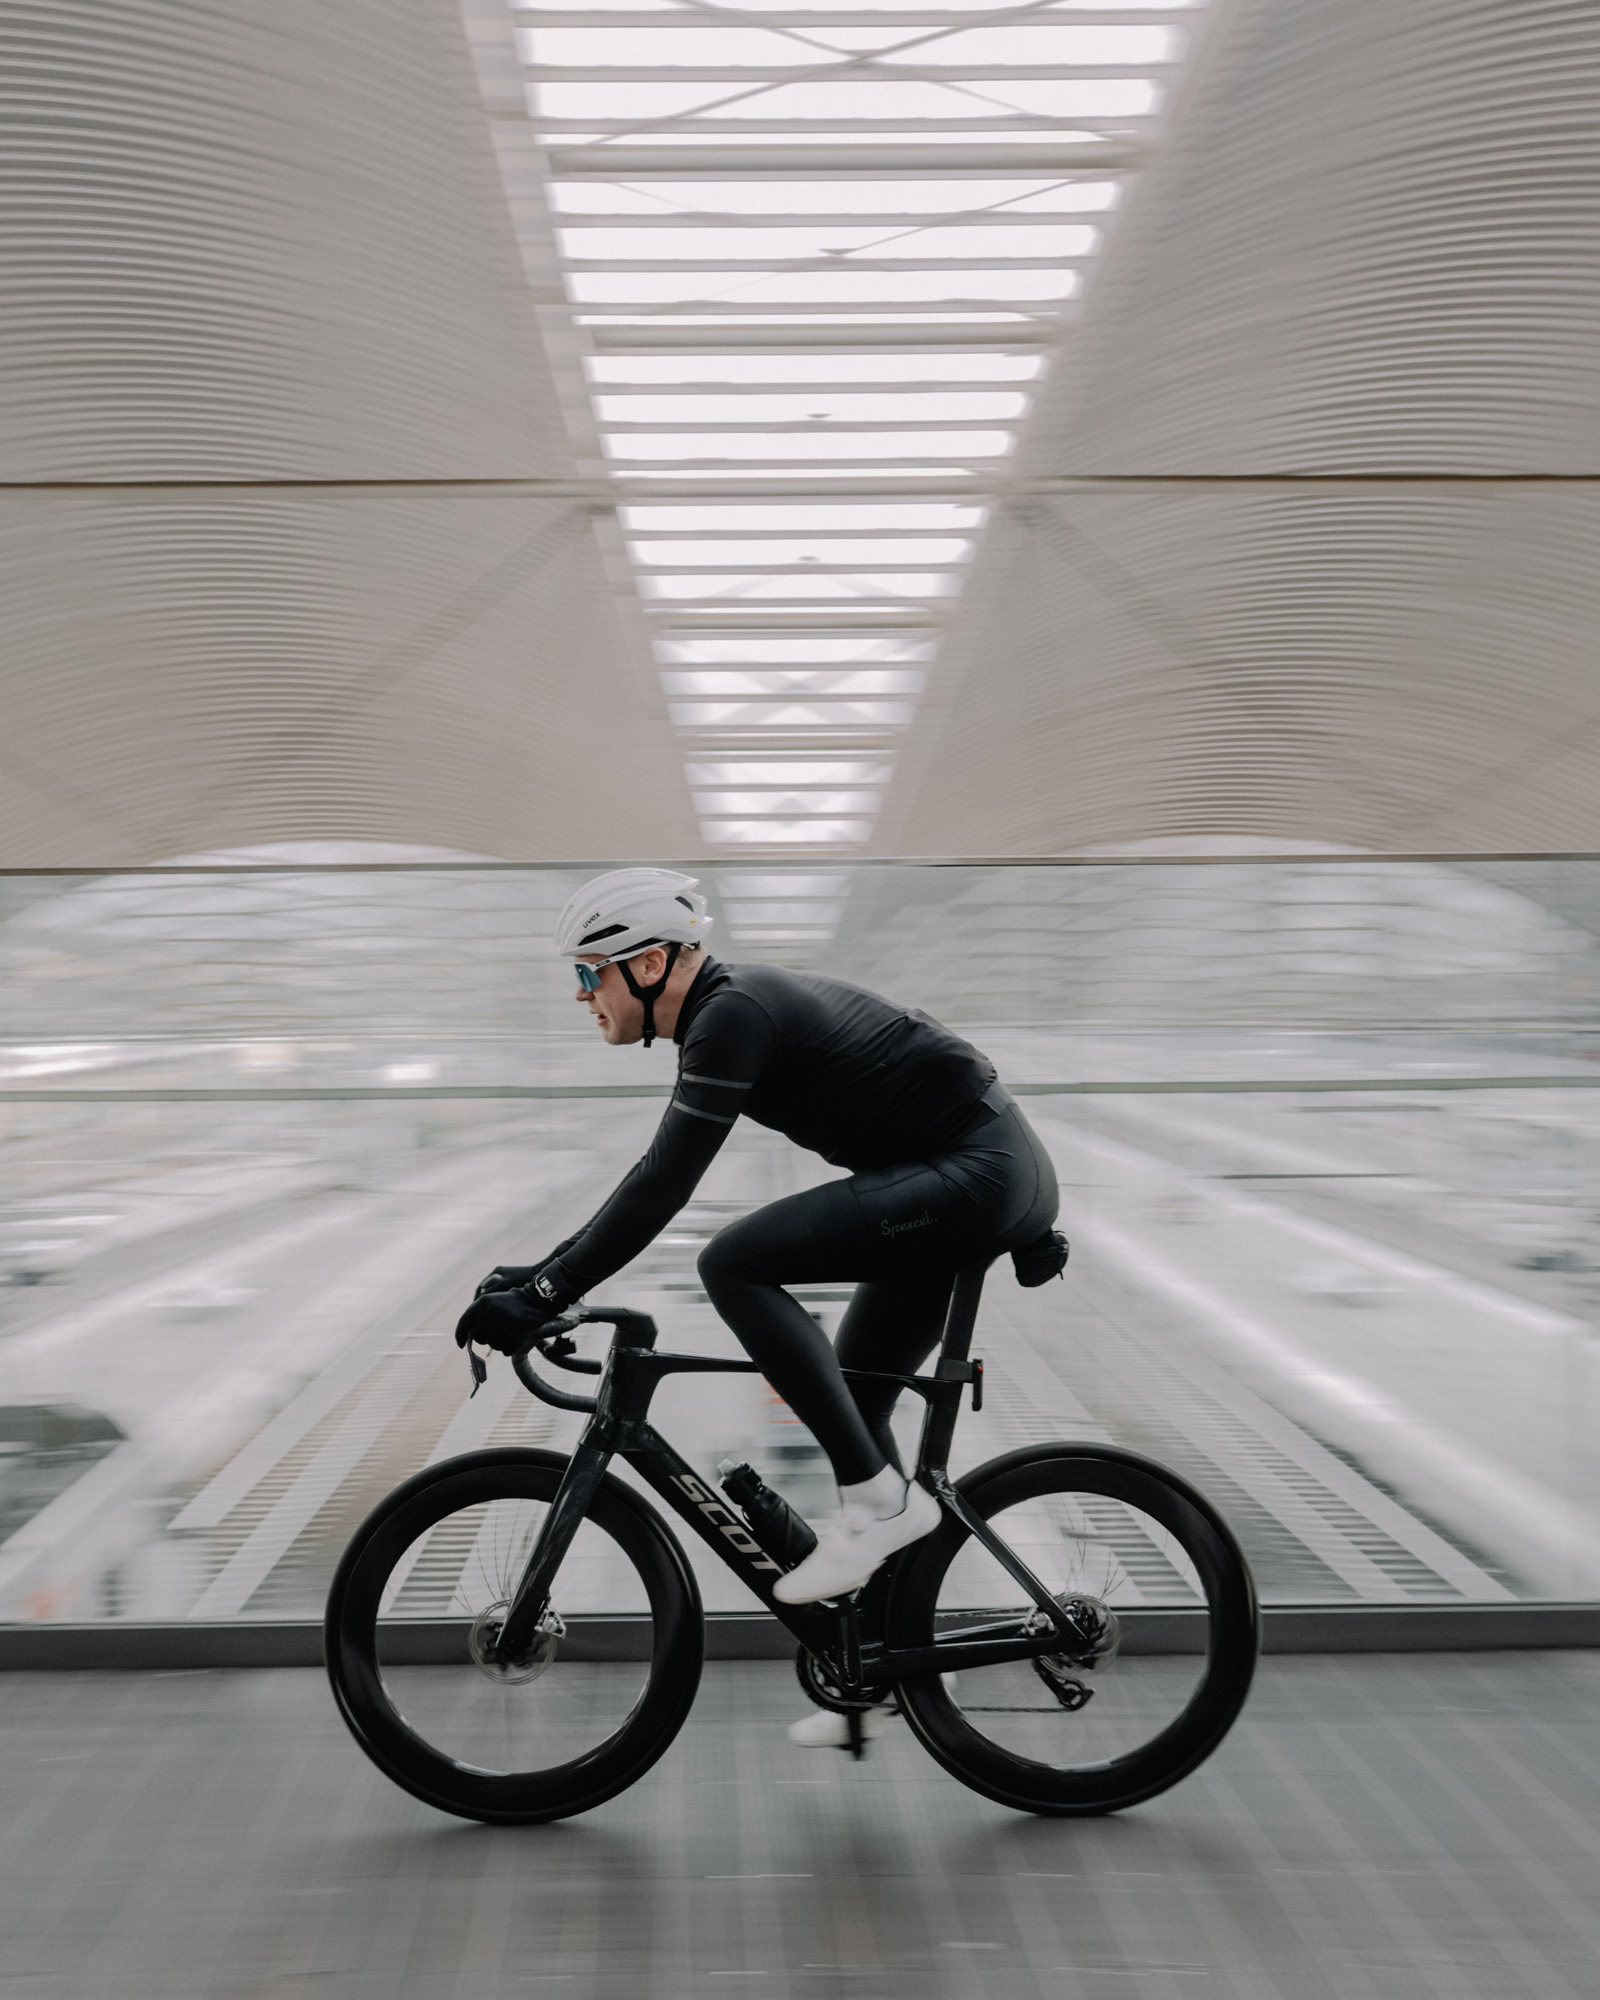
{"x": 716, "y": 1523}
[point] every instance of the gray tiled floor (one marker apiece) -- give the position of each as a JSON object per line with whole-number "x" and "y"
{"x": 1376, "y": 1826}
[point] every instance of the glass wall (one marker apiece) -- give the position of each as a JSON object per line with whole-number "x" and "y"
{"x": 1326, "y": 1131}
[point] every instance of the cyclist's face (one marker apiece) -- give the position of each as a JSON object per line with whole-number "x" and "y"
{"x": 619, "y": 1016}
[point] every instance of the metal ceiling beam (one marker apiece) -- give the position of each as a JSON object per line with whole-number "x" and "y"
{"x": 1027, "y": 159}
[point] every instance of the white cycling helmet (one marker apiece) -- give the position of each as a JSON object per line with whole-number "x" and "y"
{"x": 620, "y": 914}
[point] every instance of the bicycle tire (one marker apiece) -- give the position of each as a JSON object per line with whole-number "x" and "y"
{"x": 446, "y": 1523}
{"x": 1120, "y": 1488}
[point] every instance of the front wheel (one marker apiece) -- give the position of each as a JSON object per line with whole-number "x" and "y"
{"x": 411, "y": 1618}
{"x": 1113, "y": 1720}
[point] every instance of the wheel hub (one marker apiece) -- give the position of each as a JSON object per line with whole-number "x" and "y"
{"x": 484, "y": 1633}
{"x": 1094, "y": 1623}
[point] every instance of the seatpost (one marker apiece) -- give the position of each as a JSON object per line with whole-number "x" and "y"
{"x": 962, "y": 1316}
{"x": 939, "y": 1419}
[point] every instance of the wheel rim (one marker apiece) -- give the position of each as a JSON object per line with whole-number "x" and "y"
{"x": 453, "y": 1725}
{"x": 1111, "y": 1720}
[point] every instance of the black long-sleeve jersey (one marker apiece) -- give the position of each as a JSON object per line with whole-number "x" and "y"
{"x": 834, "y": 1068}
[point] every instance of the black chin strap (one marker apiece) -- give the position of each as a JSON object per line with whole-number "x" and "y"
{"x": 649, "y": 994}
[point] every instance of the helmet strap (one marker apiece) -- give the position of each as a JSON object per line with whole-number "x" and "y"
{"x": 649, "y": 994}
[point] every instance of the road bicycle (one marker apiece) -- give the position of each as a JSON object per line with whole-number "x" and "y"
{"x": 1077, "y": 1635}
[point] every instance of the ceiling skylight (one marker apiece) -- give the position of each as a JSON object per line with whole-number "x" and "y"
{"x": 816, "y": 260}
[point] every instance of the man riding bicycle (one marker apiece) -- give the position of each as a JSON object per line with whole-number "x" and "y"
{"x": 944, "y": 1172}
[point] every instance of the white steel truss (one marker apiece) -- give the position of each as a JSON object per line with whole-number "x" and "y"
{"x": 815, "y": 263}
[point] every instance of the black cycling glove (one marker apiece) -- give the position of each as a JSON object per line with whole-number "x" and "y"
{"x": 507, "y": 1278}
{"x": 504, "y": 1320}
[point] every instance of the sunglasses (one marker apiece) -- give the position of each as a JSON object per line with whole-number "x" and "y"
{"x": 589, "y": 976}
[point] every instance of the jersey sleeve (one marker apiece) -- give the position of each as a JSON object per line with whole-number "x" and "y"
{"x": 729, "y": 1044}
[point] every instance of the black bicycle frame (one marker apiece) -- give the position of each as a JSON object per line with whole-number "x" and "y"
{"x": 619, "y": 1427}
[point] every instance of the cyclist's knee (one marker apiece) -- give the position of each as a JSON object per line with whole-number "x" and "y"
{"x": 722, "y": 1263}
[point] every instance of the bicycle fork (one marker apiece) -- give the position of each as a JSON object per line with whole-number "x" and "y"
{"x": 579, "y": 1484}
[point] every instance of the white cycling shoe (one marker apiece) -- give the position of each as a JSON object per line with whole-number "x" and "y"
{"x": 854, "y": 1546}
{"x": 822, "y": 1729}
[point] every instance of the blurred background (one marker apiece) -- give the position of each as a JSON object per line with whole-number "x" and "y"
{"x": 1327, "y": 1131}
{"x": 1080, "y": 517}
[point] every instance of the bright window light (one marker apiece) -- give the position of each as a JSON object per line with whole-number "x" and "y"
{"x": 918, "y": 549}
{"x": 776, "y": 246}
{"x": 785, "y": 804}
{"x": 800, "y": 586}
{"x": 1032, "y": 44}
{"x": 757, "y": 649}
{"x": 788, "y": 832}
{"x": 699, "y": 200}
{"x": 790, "y": 715}
{"x": 841, "y": 286}
{"x": 793, "y": 681}
{"x": 650, "y": 369}
{"x": 790, "y": 771}
{"x": 843, "y": 101}
{"x": 838, "y": 515}
{"x": 732, "y": 446}
{"x": 938, "y": 406}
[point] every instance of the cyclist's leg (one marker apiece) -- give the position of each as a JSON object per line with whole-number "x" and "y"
{"x": 891, "y": 1325}
{"x": 814, "y": 1237}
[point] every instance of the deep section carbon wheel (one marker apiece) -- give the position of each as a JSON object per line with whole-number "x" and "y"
{"x": 587, "y": 1709}
{"x": 1113, "y": 1718}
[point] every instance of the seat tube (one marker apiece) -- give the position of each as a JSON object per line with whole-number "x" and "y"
{"x": 962, "y": 1315}
{"x": 939, "y": 1421}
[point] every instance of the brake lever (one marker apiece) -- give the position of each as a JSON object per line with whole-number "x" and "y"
{"x": 480, "y": 1371}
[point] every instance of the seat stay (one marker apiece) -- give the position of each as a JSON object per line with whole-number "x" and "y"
{"x": 956, "y": 1503}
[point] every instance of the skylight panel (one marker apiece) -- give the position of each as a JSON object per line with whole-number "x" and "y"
{"x": 762, "y": 648}
{"x": 790, "y": 183}
{"x": 895, "y": 367}
{"x": 785, "y": 832}
{"x": 751, "y": 244}
{"x": 799, "y": 585}
{"x": 697, "y": 200}
{"x": 857, "y": 552}
{"x": 739, "y": 447}
{"x": 871, "y": 516}
{"x": 821, "y": 681}
{"x": 787, "y": 771}
{"x": 842, "y": 101}
{"x": 912, "y": 406}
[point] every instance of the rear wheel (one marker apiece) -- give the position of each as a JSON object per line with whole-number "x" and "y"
{"x": 1141, "y": 1700}
{"x": 414, "y": 1610}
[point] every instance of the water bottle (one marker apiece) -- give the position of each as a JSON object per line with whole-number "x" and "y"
{"x": 770, "y": 1518}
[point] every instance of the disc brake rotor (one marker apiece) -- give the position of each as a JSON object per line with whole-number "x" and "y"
{"x": 484, "y": 1632}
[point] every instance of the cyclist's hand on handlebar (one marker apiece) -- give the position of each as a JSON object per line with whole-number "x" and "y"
{"x": 508, "y": 1278}
{"x": 504, "y": 1320}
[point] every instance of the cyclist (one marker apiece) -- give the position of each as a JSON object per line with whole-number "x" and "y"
{"x": 944, "y": 1171}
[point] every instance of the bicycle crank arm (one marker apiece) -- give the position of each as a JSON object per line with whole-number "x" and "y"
{"x": 577, "y": 1489}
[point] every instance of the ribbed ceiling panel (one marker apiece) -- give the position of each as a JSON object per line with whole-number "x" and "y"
{"x": 1372, "y": 244}
{"x": 266, "y": 344}
{"x": 1303, "y": 542}
{"x": 1394, "y": 668}
{"x": 192, "y": 672}
{"x": 257, "y": 241}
